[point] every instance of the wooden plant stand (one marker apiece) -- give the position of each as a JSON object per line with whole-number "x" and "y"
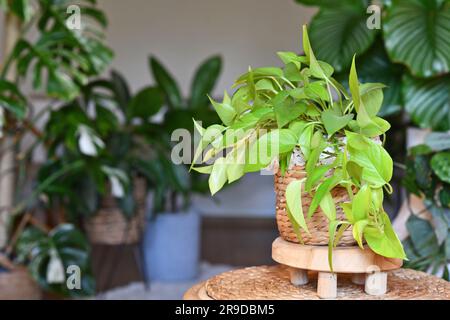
{"x": 365, "y": 266}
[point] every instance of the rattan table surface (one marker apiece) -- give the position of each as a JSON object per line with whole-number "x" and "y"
{"x": 272, "y": 283}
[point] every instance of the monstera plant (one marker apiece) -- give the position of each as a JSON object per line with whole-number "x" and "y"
{"x": 301, "y": 112}
{"x": 50, "y": 255}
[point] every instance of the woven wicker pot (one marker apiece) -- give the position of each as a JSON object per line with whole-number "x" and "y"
{"x": 318, "y": 223}
{"x": 17, "y": 284}
{"x": 109, "y": 226}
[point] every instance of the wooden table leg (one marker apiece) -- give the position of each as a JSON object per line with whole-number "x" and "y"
{"x": 327, "y": 285}
{"x": 376, "y": 283}
{"x": 298, "y": 276}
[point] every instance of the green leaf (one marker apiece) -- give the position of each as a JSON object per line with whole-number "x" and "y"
{"x": 292, "y": 57}
{"x": 428, "y": 101}
{"x": 376, "y": 164}
{"x": 354, "y": 85}
{"x": 321, "y": 191}
{"x": 358, "y": 230}
{"x": 166, "y": 83}
{"x": 338, "y": 32}
{"x": 334, "y": 122}
{"x": 422, "y": 236}
{"x": 372, "y": 97}
{"x": 287, "y": 111}
{"x": 315, "y": 175}
{"x": 294, "y": 203}
{"x": 347, "y": 207}
{"x": 361, "y": 203}
{"x": 225, "y": 110}
{"x": 218, "y": 175}
{"x": 440, "y": 163}
{"x": 145, "y": 103}
{"x": 317, "y": 91}
{"x": 268, "y": 146}
{"x": 205, "y": 169}
{"x": 204, "y": 81}
{"x": 328, "y": 206}
{"x": 385, "y": 242}
{"x": 332, "y": 242}
{"x": 416, "y": 34}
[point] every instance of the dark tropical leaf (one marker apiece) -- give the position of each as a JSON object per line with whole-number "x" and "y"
{"x": 422, "y": 236}
{"x": 339, "y": 32}
{"x": 145, "y": 103}
{"x": 427, "y": 101}
{"x": 121, "y": 89}
{"x": 166, "y": 83}
{"x": 204, "y": 81}
{"x": 417, "y": 33}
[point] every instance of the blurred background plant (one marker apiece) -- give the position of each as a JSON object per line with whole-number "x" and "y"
{"x": 173, "y": 181}
{"x": 428, "y": 177}
{"x": 42, "y": 54}
{"x": 409, "y": 52}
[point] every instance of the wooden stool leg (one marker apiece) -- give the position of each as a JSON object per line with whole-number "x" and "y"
{"x": 359, "y": 278}
{"x": 327, "y": 285}
{"x": 298, "y": 276}
{"x": 376, "y": 283}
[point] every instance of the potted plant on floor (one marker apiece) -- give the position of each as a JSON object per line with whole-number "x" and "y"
{"x": 172, "y": 239}
{"x": 332, "y": 169}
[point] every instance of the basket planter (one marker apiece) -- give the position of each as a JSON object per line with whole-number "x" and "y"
{"x": 110, "y": 226}
{"x": 17, "y": 284}
{"x": 318, "y": 223}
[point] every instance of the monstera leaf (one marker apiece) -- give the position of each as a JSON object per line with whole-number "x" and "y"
{"x": 417, "y": 34}
{"x": 340, "y": 31}
{"x": 428, "y": 101}
{"x": 48, "y": 257}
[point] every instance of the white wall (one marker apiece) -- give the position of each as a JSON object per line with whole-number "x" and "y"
{"x": 183, "y": 33}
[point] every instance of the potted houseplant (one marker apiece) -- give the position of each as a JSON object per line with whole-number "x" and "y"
{"x": 428, "y": 177}
{"x": 332, "y": 169}
{"x": 38, "y": 44}
{"x": 172, "y": 238}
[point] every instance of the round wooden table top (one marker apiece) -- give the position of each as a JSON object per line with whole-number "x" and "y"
{"x": 345, "y": 259}
{"x": 272, "y": 283}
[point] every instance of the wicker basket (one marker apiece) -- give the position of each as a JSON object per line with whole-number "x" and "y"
{"x": 318, "y": 223}
{"x": 17, "y": 284}
{"x": 109, "y": 226}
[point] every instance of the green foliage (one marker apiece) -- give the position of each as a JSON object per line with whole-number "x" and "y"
{"x": 427, "y": 176}
{"x": 301, "y": 106}
{"x": 411, "y": 54}
{"x": 63, "y": 246}
{"x": 58, "y": 60}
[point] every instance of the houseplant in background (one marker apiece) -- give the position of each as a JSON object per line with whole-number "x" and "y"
{"x": 428, "y": 177}
{"x": 107, "y": 131}
{"x": 415, "y": 68}
{"x": 172, "y": 238}
{"x": 38, "y": 42}
{"x": 332, "y": 170}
